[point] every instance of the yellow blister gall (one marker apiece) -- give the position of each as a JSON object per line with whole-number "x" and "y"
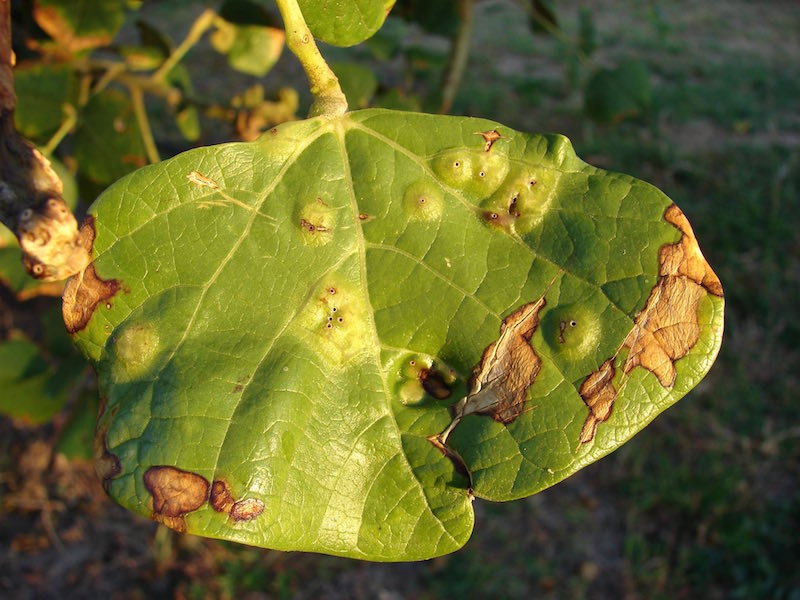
{"x": 423, "y": 201}
{"x": 523, "y": 199}
{"x": 477, "y": 173}
{"x": 316, "y": 221}
{"x": 573, "y": 330}
{"x": 135, "y": 349}
{"x": 336, "y": 319}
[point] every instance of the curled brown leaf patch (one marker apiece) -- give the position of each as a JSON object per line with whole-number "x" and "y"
{"x": 667, "y": 328}
{"x": 175, "y": 492}
{"x": 86, "y": 290}
{"x": 222, "y": 500}
{"x": 598, "y": 393}
{"x": 509, "y": 366}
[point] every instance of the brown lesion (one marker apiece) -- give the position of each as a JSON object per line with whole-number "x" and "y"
{"x": 598, "y": 394}
{"x": 222, "y": 501}
{"x": 434, "y": 383}
{"x": 86, "y": 290}
{"x": 665, "y": 330}
{"x": 489, "y": 137}
{"x": 509, "y": 366}
{"x": 175, "y": 493}
{"x": 499, "y": 383}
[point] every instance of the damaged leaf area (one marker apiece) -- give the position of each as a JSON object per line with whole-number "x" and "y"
{"x": 337, "y": 337}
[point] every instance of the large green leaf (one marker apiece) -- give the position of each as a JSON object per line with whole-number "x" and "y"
{"x": 345, "y": 22}
{"x": 331, "y": 338}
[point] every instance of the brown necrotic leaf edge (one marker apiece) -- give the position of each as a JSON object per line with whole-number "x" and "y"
{"x": 665, "y": 330}
{"x": 86, "y": 290}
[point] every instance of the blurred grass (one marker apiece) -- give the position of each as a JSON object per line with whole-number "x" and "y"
{"x": 705, "y": 503}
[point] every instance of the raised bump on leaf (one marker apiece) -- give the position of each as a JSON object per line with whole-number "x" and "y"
{"x": 473, "y": 171}
{"x": 573, "y": 330}
{"x": 135, "y": 348}
{"x": 316, "y": 221}
{"x": 423, "y": 201}
{"x": 523, "y": 199}
{"x": 336, "y": 318}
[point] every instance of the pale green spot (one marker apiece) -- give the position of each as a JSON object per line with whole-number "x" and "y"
{"x": 135, "y": 349}
{"x": 572, "y": 331}
{"x": 316, "y": 221}
{"x": 475, "y": 172}
{"x": 524, "y": 198}
{"x": 423, "y": 201}
{"x": 336, "y": 321}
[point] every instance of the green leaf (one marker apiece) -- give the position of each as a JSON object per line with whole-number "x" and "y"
{"x": 587, "y": 32}
{"x": 76, "y": 438}
{"x": 42, "y": 91}
{"x": 87, "y": 25}
{"x": 346, "y": 22}
{"x": 108, "y": 143}
{"x": 358, "y": 83}
{"x": 330, "y": 338}
{"x": 32, "y": 389}
{"x": 615, "y": 94}
{"x": 251, "y": 49}
{"x": 435, "y": 16}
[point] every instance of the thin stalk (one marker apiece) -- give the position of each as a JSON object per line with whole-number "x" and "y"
{"x": 459, "y": 53}
{"x": 70, "y": 118}
{"x": 198, "y": 28}
{"x": 329, "y": 100}
{"x": 137, "y": 100}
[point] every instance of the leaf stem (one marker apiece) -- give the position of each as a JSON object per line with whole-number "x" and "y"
{"x": 137, "y": 100}
{"x": 329, "y": 100}
{"x": 198, "y": 28}
{"x": 70, "y": 118}
{"x": 459, "y": 54}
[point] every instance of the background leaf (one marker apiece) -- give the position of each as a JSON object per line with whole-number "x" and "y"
{"x": 92, "y": 24}
{"x": 42, "y": 91}
{"x": 615, "y": 94}
{"x": 280, "y": 370}
{"x": 108, "y": 143}
{"x": 347, "y": 22}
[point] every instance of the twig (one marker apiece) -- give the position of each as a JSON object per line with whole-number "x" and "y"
{"x": 70, "y": 118}
{"x": 329, "y": 100}
{"x": 196, "y": 31}
{"x": 137, "y": 99}
{"x": 31, "y": 202}
{"x": 459, "y": 53}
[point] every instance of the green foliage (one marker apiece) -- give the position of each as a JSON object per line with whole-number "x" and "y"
{"x": 237, "y": 363}
{"x": 347, "y": 22}
{"x": 352, "y": 279}
{"x": 246, "y": 35}
{"x": 619, "y": 93}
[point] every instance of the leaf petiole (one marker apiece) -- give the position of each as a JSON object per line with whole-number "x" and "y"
{"x": 329, "y": 100}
